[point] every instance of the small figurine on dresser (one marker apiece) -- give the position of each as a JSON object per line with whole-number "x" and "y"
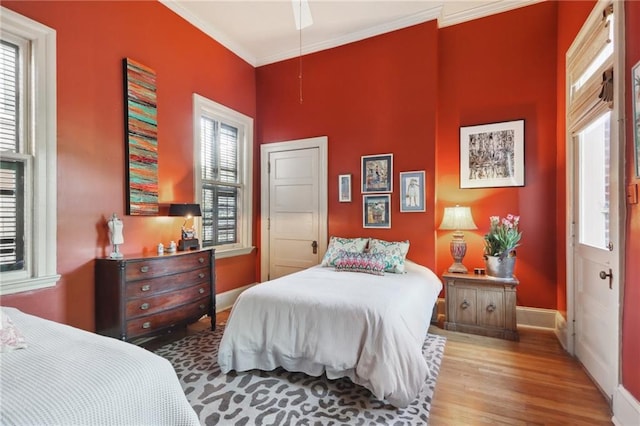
{"x": 116, "y": 236}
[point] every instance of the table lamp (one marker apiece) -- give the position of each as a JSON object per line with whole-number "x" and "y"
{"x": 458, "y": 218}
{"x": 188, "y": 240}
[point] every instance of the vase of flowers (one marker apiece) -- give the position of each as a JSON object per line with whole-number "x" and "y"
{"x": 499, "y": 246}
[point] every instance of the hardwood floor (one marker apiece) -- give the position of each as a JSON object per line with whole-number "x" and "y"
{"x": 488, "y": 381}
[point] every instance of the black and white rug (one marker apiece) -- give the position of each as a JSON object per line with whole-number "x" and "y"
{"x": 282, "y": 398}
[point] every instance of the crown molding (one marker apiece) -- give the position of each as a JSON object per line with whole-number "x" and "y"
{"x": 211, "y": 31}
{"x": 483, "y": 11}
{"x": 407, "y": 21}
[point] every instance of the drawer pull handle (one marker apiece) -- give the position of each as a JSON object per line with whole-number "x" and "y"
{"x": 201, "y": 290}
{"x": 146, "y": 324}
{"x": 201, "y": 259}
{"x": 201, "y": 275}
{"x": 201, "y": 306}
{"x": 146, "y": 287}
{"x": 144, "y": 269}
{"x": 464, "y": 304}
{"x": 144, "y": 306}
{"x": 491, "y": 307}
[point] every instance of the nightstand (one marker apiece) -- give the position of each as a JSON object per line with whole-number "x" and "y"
{"x": 480, "y": 304}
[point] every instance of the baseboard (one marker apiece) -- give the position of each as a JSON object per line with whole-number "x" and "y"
{"x": 562, "y": 332}
{"x": 626, "y": 409}
{"x": 536, "y": 317}
{"x": 226, "y": 299}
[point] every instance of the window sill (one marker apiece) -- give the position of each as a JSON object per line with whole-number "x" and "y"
{"x": 28, "y": 284}
{"x": 221, "y": 254}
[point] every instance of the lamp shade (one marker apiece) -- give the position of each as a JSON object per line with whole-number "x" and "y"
{"x": 185, "y": 210}
{"x": 457, "y": 218}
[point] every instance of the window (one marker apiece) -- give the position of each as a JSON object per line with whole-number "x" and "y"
{"x": 27, "y": 154}
{"x": 223, "y": 152}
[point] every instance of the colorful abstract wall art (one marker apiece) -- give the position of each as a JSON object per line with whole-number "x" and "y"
{"x": 141, "y": 136}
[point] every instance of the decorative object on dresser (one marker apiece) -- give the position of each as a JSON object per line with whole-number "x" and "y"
{"x": 499, "y": 245}
{"x": 457, "y": 218}
{"x": 147, "y": 295}
{"x": 188, "y": 240}
{"x": 481, "y": 305}
{"x": 116, "y": 237}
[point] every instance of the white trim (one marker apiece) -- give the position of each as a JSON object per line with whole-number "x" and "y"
{"x": 626, "y": 409}
{"x": 245, "y": 157}
{"x": 320, "y": 142}
{"x": 43, "y": 129}
{"x": 483, "y": 11}
{"x": 407, "y": 21}
{"x": 226, "y": 299}
{"x": 562, "y": 332}
{"x": 536, "y": 317}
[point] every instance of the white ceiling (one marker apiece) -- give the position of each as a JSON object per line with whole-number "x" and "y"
{"x": 263, "y": 31}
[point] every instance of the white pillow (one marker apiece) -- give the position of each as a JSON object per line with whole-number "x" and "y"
{"x": 355, "y": 245}
{"x": 394, "y": 253}
{"x": 10, "y": 336}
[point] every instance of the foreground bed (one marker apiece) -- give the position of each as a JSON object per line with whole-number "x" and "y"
{"x": 67, "y": 376}
{"x": 365, "y": 327}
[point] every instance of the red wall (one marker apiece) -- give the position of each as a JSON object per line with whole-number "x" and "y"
{"x": 92, "y": 40}
{"x": 375, "y": 96}
{"x": 630, "y": 311}
{"x": 502, "y": 68}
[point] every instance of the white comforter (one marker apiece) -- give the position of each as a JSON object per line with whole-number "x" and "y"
{"x": 365, "y": 327}
{"x": 68, "y": 376}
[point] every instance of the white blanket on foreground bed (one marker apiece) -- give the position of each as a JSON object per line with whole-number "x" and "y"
{"x": 365, "y": 327}
{"x": 68, "y": 376}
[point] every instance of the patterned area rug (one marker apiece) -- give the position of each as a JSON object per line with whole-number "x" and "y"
{"x": 282, "y": 398}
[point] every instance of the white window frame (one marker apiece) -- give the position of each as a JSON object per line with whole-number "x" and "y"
{"x": 41, "y": 129}
{"x": 203, "y": 106}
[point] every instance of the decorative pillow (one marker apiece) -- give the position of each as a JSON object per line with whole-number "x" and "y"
{"x": 360, "y": 262}
{"x": 394, "y": 253}
{"x": 336, "y": 244}
{"x": 10, "y": 336}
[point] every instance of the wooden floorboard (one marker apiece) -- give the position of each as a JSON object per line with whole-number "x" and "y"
{"x": 489, "y": 381}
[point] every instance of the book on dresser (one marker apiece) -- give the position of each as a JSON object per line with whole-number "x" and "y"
{"x": 142, "y": 296}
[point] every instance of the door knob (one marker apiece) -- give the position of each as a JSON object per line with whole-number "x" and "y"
{"x": 604, "y": 276}
{"x": 315, "y": 247}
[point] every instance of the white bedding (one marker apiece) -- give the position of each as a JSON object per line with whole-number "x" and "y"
{"x": 68, "y": 376}
{"x": 365, "y": 327}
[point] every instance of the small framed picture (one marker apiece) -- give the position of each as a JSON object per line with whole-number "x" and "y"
{"x": 412, "y": 192}
{"x": 377, "y": 173}
{"x": 492, "y": 155}
{"x": 344, "y": 188}
{"x": 376, "y": 211}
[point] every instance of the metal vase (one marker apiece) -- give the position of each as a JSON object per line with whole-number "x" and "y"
{"x": 500, "y": 267}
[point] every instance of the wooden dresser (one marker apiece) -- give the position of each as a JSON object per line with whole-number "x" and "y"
{"x": 146, "y": 295}
{"x": 482, "y": 305}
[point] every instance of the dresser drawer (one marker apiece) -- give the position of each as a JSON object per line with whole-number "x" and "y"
{"x": 154, "y": 286}
{"x": 149, "y": 268}
{"x": 179, "y": 315}
{"x": 151, "y": 305}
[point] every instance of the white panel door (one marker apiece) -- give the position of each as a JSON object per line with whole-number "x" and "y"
{"x": 294, "y": 229}
{"x": 595, "y": 253}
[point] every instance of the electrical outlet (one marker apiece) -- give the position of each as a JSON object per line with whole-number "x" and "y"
{"x": 632, "y": 193}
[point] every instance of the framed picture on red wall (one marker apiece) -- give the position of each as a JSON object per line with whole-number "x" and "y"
{"x": 492, "y": 155}
{"x": 635, "y": 82}
{"x": 344, "y": 188}
{"x": 377, "y": 173}
{"x": 412, "y": 192}
{"x": 376, "y": 211}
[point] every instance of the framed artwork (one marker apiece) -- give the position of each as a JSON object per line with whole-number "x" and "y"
{"x": 377, "y": 173}
{"x": 141, "y": 138}
{"x": 344, "y": 188}
{"x": 412, "y": 192}
{"x": 376, "y": 211}
{"x": 492, "y": 155}
{"x": 635, "y": 82}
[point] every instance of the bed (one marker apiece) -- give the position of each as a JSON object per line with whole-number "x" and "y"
{"x": 369, "y": 328}
{"x": 54, "y": 374}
